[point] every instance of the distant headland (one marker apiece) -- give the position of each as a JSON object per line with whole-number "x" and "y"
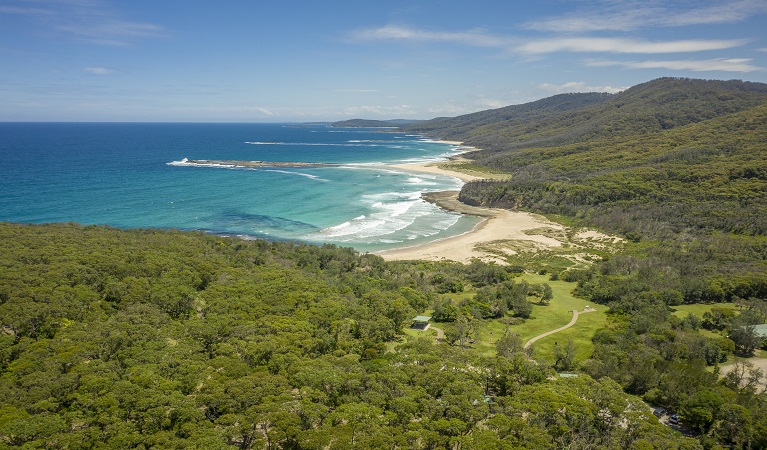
{"x": 250, "y": 164}
{"x": 368, "y": 123}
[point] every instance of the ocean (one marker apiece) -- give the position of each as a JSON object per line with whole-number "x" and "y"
{"x": 136, "y": 175}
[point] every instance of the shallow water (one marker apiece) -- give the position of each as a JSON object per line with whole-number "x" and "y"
{"x": 133, "y": 175}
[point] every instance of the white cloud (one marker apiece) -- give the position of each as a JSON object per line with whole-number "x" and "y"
{"x": 491, "y": 103}
{"x": 451, "y": 108}
{"x": 578, "y": 86}
{"x": 98, "y": 70}
{"x": 356, "y": 90}
{"x": 24, "y": 11}
{"x": 90, "y": 21}
{"x": 719, "y": 64}
{"x": 623, "y": 45}
{"x": 112, "y": 32}
{"x": 479, "y": 38}
{"x": 475, "y": 38}
{"x": 376, "y": 111}
{"x": 625, "y": 15}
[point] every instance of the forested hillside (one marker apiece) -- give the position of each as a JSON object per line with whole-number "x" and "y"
{"x": 474, "y": 128}
{"x": 161, "y": 339}
{"x": 569, "y": 118}
{"x": 692, "y": 192}
{"x": 679, "y": 168}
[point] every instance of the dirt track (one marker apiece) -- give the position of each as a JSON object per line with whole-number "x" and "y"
{"x": 548, "y": 333}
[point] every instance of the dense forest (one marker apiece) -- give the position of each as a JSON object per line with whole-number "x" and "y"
{"x": 162, "y": 339}
{"x": 676, "y": 166}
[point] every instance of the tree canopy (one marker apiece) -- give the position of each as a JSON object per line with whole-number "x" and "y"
{"x": 164, "y": 339}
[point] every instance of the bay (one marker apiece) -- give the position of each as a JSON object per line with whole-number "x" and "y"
{"x": 134, "y": 175}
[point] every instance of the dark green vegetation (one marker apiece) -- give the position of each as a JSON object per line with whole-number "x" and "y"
{"x": 158, "y": 339}
{"x": 679, "y": 168}
{"x": 155, "y": 339}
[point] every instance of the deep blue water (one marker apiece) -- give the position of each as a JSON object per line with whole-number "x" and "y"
{"x": 132, "y": 175}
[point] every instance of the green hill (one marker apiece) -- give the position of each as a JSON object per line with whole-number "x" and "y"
{"x": 676, "y": 164}
{"x": 651, "y": 107}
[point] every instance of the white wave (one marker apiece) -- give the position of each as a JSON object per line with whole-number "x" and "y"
{"x": 307, "y": 175}
{"x": 421, "y": 182}
{"x": 183, "y": 162}
{"x": 346, "y": 131}
{"x": 323, "y": 144}
{"x": 349, "y": 232}
{"x": 384, "y": 197}
{"x": 396, "y": 217}
{"x": 337, "y": 227}
{"x": 199, "y": 163}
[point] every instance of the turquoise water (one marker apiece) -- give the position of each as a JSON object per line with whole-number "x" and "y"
{"x": 133, "y": 175}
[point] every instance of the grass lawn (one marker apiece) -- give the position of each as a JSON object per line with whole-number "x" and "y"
{"x": 543, "y": 318}
{"x": 546, "y": 318}
{"x": 682, "y": 311}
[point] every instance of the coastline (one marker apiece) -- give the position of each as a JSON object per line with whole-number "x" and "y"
{"x": 496, "y": 225}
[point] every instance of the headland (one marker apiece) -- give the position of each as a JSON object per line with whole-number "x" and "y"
{"x": 253, "y": 164}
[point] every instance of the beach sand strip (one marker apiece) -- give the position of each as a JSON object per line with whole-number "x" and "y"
{"x": 497, "y": 225}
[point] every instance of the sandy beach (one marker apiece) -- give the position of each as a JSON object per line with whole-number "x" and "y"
{"x": 497, "y": 225}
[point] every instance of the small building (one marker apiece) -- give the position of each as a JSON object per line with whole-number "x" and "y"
{"x": 421, "y": 322}
{"x": 761, "y": 330}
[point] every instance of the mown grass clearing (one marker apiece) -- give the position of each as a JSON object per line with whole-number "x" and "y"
{"x": 463, "y": 166}
{"x": 698, "y": 309}
{"x": 545, "y": 318}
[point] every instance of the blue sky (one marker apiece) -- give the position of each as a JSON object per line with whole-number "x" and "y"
{"x": 269, "y": 61}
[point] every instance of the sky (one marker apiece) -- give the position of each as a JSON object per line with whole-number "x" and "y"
{"x": 303, "y": 61}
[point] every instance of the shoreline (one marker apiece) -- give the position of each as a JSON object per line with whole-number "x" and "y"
{"x": 497, "y": 225}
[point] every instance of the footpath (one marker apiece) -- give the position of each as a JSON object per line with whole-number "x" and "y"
{"x": 549, "y": 333}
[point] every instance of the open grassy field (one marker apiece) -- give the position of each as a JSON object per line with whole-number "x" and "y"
{"x": 544, "y": 318}
{"x": 682, "y": 311}
{"x": 557, "y": 314}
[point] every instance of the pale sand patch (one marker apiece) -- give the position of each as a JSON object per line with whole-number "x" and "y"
{"x": 433, "y": 169}
{"x": 501, "y": 232}
{"x": 759, "y": 363}
{"x": 595, "y": 235}
{"x": 501, "y": 225}
{"x": 451, "y": 142}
